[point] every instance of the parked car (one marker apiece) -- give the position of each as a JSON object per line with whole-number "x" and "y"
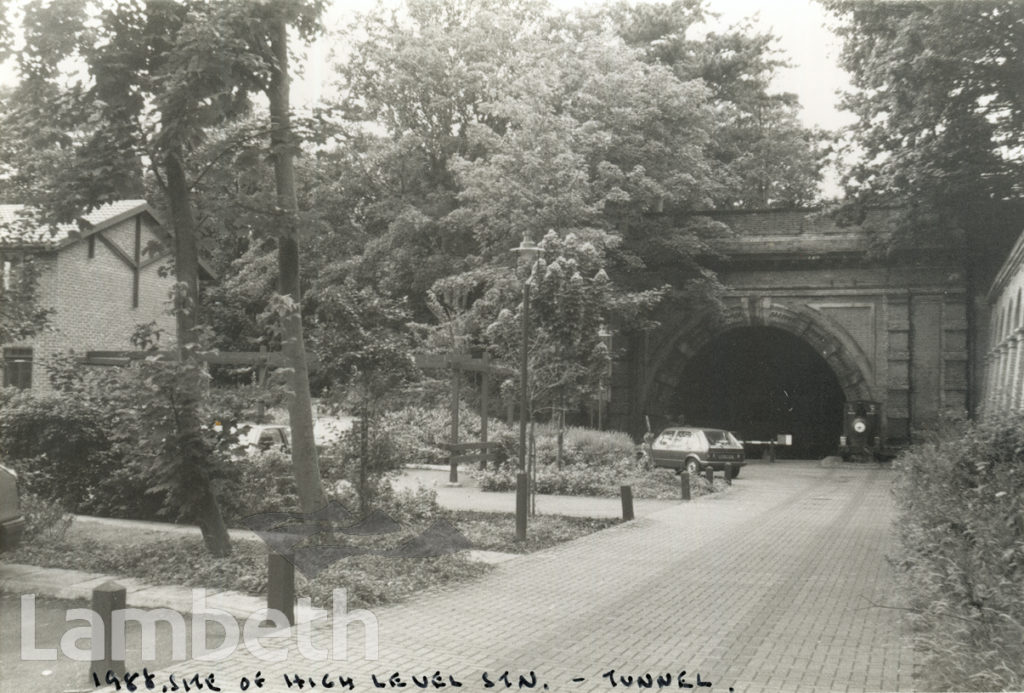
{"x": 697, "y": 449}
{"x": 251, "y": 437}
{"x": 12, "y": 522}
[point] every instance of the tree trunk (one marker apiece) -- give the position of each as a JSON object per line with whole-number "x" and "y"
{"x": 561, "y": 430}
{"x": 300, "y": 410}
{"x": 186, "y": 301}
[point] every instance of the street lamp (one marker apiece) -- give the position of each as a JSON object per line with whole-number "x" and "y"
{"x": 605, "y": 335}
{"x": 528, "y": 254}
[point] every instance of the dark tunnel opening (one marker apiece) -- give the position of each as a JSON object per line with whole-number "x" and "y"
{"x": 760, "y": 382}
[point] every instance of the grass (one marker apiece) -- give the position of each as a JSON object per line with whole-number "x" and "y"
{"x": 371, "y": 579}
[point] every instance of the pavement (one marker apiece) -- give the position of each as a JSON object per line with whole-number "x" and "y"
{"x": 778, "y": 584}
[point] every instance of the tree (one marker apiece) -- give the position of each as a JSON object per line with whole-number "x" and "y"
{"x": 154, "y": 78}
{"x": 502, "y": 117}
{"x": 940, "y": 113}
{"x": 765, "y": 157}
{"x": 365, "y": 352}
{"x": 300, "y": 410}
{"x": 21, "y": 316}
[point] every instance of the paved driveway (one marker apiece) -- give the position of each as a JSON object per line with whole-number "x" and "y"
{"x": 770, "y": 587}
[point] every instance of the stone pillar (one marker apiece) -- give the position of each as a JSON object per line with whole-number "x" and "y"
{"x": 989, "y": 384}
{"x": 1017, "y": 398}
{"x": 997, "y": 389}
{"x": 1010, "y": 386}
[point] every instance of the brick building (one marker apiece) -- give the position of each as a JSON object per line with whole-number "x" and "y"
{"x": 101, "y": 278}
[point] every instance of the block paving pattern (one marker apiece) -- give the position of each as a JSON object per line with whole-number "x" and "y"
{"x": 779, "y": 584}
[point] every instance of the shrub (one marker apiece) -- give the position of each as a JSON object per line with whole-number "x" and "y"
{"x": 45, "y": 519}
{"x": 259, "y": 482}
{"x": 423, "y": 431}
{"x": 580, "y": 446}
{"x": 959, "y": 498}
{"x": 58, "y": 444}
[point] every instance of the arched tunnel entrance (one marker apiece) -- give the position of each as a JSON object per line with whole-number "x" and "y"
{"x": 762, "y": 381}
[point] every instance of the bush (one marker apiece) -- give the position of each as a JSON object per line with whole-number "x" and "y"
{"x": 57, "y": 445}
{"x": 581, "y": 447}
{"x": 959, "y": 499}
{"x": 45, "y": 520}
{"x": 600, "y": 481}
{"x": 423, "y": 431}
{"x": 260, "y": 482}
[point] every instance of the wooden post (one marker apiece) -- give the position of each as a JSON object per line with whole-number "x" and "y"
{"x": 771, "y": 451}
{"x": 485, "y": 387}
{"x": 627, "y": 502}
{"x": 522, "y": 501}
{"x": 261, "y": 379}
{"x": 281, "y": 584}
{"x": 106, "y": 599}
{"x": 684, "y": 484}
{"x": 453, "y": 474}
{"x": 728, "y": 473}
{"x": 709, "y": 474}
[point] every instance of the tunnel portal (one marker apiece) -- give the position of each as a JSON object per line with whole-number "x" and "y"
{"x": 762, "y": 381}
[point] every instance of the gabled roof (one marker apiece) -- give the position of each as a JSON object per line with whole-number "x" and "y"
{"x": 18, "y": 229}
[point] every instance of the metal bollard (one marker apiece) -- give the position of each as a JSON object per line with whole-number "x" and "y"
{"x": 522, "y": 504}
{"x": 281, "y": 584}
{"x": 627, "y": 502}
{"x": 106, "y": 599}
{"x": 684, "y": 484}
{"x": 709, "y": 474}
{"x": 728, "y": 473}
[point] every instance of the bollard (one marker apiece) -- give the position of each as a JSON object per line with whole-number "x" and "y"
{"x": 453, "y": 471}
{"x": 684, "y": 485}
{"x": 522, "y": 504}
{"x": 728, "y": 473}
{"x": 627, "y": 502}
{"x": 106, "y": 599}
{"x": 281, "y": 584}
{"x": 771, "y": 452}
{"x": 709, "y": 474}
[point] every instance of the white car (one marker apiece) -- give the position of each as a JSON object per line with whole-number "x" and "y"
{"x": 254, "y": 436}
{"x": 697, "y": 449}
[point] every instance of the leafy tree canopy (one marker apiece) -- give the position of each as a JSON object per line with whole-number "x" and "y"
{"x": 501, "y": 119}
{"x": 940, "y": 108}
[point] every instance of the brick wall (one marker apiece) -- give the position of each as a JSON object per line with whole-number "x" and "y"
{"x": 92, "y": 297}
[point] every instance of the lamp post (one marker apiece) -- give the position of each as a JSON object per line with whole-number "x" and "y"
{"x": 605, "y": 335}
{"x": 528, "y": 254}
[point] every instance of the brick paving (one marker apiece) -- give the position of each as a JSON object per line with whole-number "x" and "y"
{"x": 776, "y": 585}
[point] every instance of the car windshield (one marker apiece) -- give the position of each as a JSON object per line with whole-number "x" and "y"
{"x": 721, "y": 439}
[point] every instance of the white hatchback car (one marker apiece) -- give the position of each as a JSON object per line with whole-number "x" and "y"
{"x": 697, "y": 449}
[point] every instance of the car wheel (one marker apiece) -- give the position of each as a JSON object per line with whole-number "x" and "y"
{"x": 736, "y": 472}
{"x": 693, "y": 466}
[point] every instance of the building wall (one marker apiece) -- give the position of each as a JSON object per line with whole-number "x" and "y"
{"x": 92, "y": 298}
{"x": 1002, "y": 379}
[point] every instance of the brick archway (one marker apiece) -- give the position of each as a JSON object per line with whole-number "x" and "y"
{"x": 839, "y": 351}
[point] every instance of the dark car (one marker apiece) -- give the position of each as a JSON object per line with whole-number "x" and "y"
{"x": 697, "y": 449}
{"x": 12, "y": 522}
